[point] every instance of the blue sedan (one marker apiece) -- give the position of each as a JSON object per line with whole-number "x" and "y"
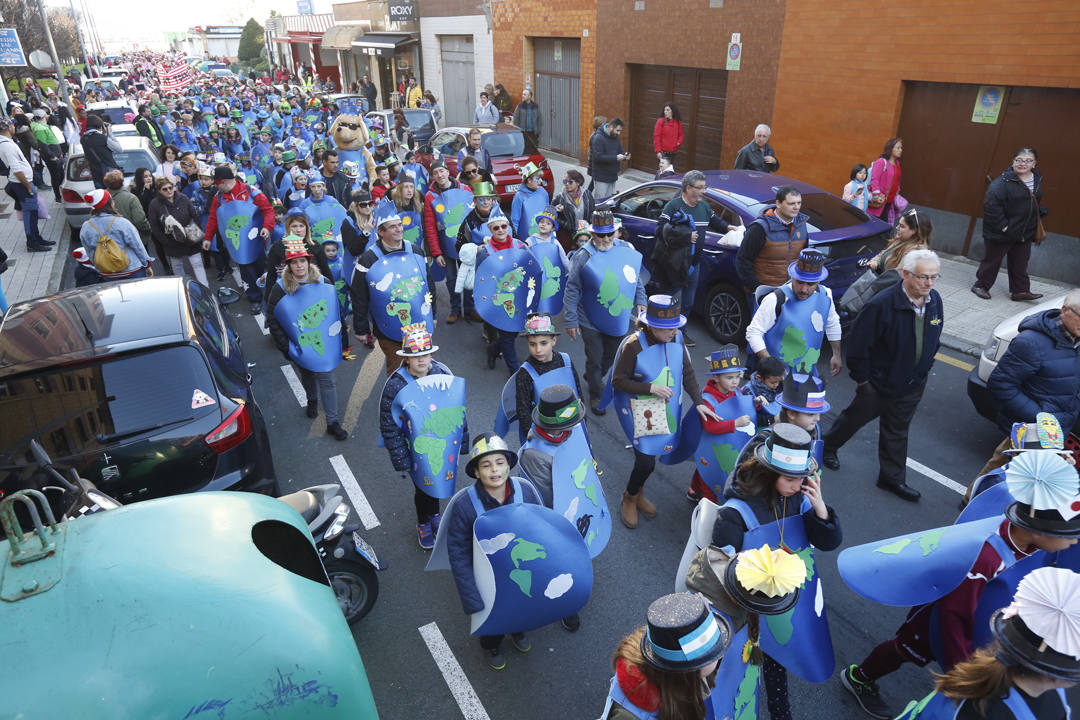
{"x": 845, "y": 234}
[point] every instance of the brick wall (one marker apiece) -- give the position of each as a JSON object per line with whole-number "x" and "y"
{"x": 446, "y": 8}
{"x": 690, "y": 33}
{"x": 514, "y": 21}
{"x": 843, "y": 64}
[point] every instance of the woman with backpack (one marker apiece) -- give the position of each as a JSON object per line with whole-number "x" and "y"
{"x": 170, "y": 213}
{"x": 111, "y": 241}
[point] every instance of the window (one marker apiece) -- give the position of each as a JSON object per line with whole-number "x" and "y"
{"x": 448, "y": 143}
{"x": 726, "y": 214}
{"x": 419, "y": 120}
{"x": 647, "y": 202}
{"x": 508, "y": 144}
{"x": 129, "y": 161}
{"x": 828, "y": 212}
{"x": 204, "y": 313}
{"x": 114, "y": 115}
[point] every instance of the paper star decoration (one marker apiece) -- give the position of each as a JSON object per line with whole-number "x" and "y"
{"x": 770, "y": 572}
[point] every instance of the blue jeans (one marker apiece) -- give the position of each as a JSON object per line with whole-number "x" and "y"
{"x": 3, "y": 298}
{"x": 29, "y": 208}
{"x": 250, "y": 274}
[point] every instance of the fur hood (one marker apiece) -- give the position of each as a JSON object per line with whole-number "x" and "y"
{"x": 291, "y": 284}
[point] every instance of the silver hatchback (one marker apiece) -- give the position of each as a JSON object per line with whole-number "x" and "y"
{"x": 136, "y": 153}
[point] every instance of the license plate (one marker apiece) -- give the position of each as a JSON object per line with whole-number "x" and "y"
{"x": 366, "y": 550}
{"x": 511, "y": 188}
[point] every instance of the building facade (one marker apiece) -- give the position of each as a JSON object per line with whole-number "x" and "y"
{"x": 458, "y": 55}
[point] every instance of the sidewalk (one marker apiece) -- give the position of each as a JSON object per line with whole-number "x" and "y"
{"x": 34, "y": 274}
{"x": 969, "y": 320}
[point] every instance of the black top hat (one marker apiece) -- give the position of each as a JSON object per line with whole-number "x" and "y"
{"x": 754, "y": 601}
{"x": 559, "y": 408}
{"x": 1021, "y": 646}
{"x": 1043, "y": 522}
{"x": 683, "y": 635}
{"x": 787, "y": 451}
{"x": 804, "y": 393}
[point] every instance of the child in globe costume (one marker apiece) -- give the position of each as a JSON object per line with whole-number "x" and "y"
{"x": 547, "y": 249}
{"x": 532, "y": 568}
{"x": 435, "y": 427}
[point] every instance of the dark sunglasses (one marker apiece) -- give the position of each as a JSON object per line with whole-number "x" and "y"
{"x": 364, "y": 204}
{"x": 500, "y": 226}
{"x": 351, "y": 126}
{"x": 603, "y": 235}
{"x": 469, "y": 172}
{"x": 568, "y": 181}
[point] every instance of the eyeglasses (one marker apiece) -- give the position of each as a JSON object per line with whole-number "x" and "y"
{"x": 351, "y": 126}
{"x": 568, "y": 181}
{"x": 469, "y": 172}
{"x": 603, "y": 235}
{"x": 1024, "y": 161}
{"x": 167, "y": 187}
{"x": 364, "y": 204}
{"x": 699, "y": 187}
{"x": 926, "y": 278}
{"x": 500, "y": 226}
{"x": 1072, "y": 310}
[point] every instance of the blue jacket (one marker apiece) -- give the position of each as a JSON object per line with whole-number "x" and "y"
{"x": 1040, "y": 372}
{"x": 123, "y": 233}
{"x": 881, "y": 346}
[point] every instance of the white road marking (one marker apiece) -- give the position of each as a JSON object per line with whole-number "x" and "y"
{"x": 294, "y": 384}
{"x": 261, "y": 320}
{"x": 356, "y": 495}
{"x": 460, "y": 688}
{"x": 936, "y": 476}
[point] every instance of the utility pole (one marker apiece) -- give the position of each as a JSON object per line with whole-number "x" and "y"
{"x": 52, "y": 49}
{"x": 78, "y": 33}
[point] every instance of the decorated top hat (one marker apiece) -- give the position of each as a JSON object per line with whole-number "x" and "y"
{"x": 726, "y": 360}
{"x": 663, "y": 313}
{"x": 528, "y": 170}
{"x": 1043, "y": 435}
{"x": 416, "y": 341}
{"x": 484, "y": 189}
{"x": 810, "y": 267}
{"x": 683, "y": 635}
{"x": 603, "y": 222}
{"x": 539, "y": 323}
{"x": 787, "y": 451}
{"x": 1038, "y": 630}
{"x": 558, "y": 409}
{"x": 1046, "y": 491}
{"x": 295, "y": 247}
{"x": 486, "y": 444}
{"x": 765, "y": 581}
{"x": 584, "y": 230}
{"x": 351, "y": 169}
{"x": 548, "y": 213}
{"x": 804, "y": 393}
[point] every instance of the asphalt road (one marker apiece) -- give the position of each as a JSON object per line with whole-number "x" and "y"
{"x": 566, "y": 675}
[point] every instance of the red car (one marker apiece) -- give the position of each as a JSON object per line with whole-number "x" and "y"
{"x": 510, "y": 148}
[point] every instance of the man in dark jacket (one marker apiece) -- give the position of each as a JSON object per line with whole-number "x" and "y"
{"x": 605, "y": 154}
{"x": 338, "y": 186}
{"x": 773, "y": 241}
{"x": 889, "y": 353}
{"x": 98, "y": 149}
{"x": 527, "y": 116}
{"x": 758, "y": 154}
{"x": 1040, "y": 372}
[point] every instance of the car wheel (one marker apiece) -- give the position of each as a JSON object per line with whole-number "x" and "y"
{"x": 726, "y": 313}
{"x": 355, "y": 585}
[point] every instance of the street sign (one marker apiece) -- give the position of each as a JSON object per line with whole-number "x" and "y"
{"x": 734, "y": 52}
{"x": 303, "y": 7}
{"x": 988, "y": 104}
{"x": 402, "y": 11}
{"x": 11, "y": 52}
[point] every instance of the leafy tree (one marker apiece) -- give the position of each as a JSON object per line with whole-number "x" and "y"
{"x": 251, "y": 42}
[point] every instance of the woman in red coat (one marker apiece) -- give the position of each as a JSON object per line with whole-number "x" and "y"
{"x": 667, "y": 135}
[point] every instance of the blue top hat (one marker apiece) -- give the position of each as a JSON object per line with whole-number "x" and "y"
{"x": 662, "y": 313}
{"x": 810, "y": 267}
{"x": 726, "y": 360}
{"x": 603, "y": 221}
{"x": 804, "y": 393}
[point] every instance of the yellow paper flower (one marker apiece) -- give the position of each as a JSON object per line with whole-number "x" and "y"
{"x": 770, "y": 572}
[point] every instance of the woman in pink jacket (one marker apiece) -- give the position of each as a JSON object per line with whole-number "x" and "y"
{"x": 667, "y": 135}
{"x": 885, "y": 200}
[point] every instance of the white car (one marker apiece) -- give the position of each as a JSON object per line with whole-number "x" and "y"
{"x": 136, "y": 153}
{"x": 123, "y": 130}
{"x": 995, "y": 348}
{"x": 111, "y": 111}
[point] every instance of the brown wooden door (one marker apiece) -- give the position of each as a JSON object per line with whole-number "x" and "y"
{"x": 699, "y": 94}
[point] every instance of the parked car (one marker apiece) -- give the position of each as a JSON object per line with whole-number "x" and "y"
{"x": 844, "y": 233}
{"x": 421, "y": 124}
{"x": 106, "y": 86}
{"x": 111, "y": 111}
{"x": 984, "y": 402}
{"x": 136, "y": 153}
{"x": 351, "y": 100}
{"x": 510, "y": 148}
{"x": 222, "y": 73}
{"x": 124, "y": 130}
{"x": 139, "y": 385}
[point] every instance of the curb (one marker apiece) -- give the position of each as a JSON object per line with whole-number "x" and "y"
{"x": 962, "y": 346}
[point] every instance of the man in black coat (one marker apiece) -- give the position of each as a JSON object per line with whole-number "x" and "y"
{"x": 605, "y": 154}
{"x": 369, "y": 91}
{"x": 98, "y": 147}
{"x": 890, "y": 351}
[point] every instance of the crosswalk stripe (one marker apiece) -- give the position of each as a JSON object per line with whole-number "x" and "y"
{"x": 955, "y": 362}
{"x": 460, "y": 687}
{"x": 356, "y": 494}
{"x": 936, "y": 476}
{"x": 294, "y": 384}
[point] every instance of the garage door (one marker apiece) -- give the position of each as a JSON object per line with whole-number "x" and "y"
{"x": 558, "y": 92}
{"x": 459, "y": 79}
{"x": 699, "y": 94}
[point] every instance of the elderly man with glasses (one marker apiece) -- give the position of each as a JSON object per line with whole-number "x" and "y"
{"x": 890, "y": 352}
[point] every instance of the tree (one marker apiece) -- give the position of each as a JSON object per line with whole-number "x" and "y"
{"x": 65, "y": 33}
{"x": 23, "y": 15}
{"x": 251, "y": 43}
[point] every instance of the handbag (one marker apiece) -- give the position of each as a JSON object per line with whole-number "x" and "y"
{"x": 1040, "y": 230}
{"x": 865, "y": 287}
{"x": 650, "y": 416}
{"x": 195, "y": 234}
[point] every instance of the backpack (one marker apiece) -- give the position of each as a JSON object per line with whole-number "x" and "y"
{"x": 109, "y": 257}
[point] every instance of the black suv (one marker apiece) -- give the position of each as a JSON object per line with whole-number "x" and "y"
{"x": 139, "y": 385}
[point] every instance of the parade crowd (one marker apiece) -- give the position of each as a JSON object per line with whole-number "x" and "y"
{"x": 331, "y": 221}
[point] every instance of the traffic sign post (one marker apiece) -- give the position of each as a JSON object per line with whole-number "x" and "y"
{"x": 734, "y": 52}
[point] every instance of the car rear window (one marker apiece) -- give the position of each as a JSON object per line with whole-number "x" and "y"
{"x": 512, "y": 143}
{"x": 113, "y": 115}
{"x": 129, "y": 160}
{"x": 72, "y": 406}
{"x": 419, "y": 119}
{"x": 828, "y": 212}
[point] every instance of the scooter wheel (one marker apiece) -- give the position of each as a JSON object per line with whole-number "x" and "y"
{"x": 356, "y": 586}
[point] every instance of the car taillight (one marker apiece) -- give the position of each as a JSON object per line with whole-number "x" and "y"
{"x": 235, "y": 430}
{"x": 70, "y": 196}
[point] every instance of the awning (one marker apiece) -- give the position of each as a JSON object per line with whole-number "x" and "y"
{"x": 341, "y": 37}
{"x": 295, "y": 38}
{"x": 383, "y": 45}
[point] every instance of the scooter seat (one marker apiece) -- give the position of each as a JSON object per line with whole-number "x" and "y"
{"x": 303, "y": 502}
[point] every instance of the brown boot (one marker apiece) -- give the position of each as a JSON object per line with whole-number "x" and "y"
{"x": 629, "y": 510}
{"x": 644, "y": 506}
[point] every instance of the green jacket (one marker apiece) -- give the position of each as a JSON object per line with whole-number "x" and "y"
{"x": 43, "y": 132}
{"x": 128, "y": 206}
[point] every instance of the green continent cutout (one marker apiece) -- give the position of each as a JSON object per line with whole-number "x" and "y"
{"x": 725, "y": 455}
{"x": 610, "y": 297}
{"x": 444, "y": 421}
{"x": 793, "y": 345}
{"x": 894, "y": 548}
{"x": 523, "y": 579}
{"x": 233, "y": 227}
{"x": 433, "y": 448}
{"x": 781, "y": 627}
{"x": 313, "y": 316}
{"x": 323, "y": 229}
{"x": 412, "y": 234}
{"x": 552, "y": 279}
{"x": 807, "y": 556}
{"x": 534, "y": 227}
{"x": 342, "y": 292}
{"x": 407, "y": 288}
{"x": 746, "y": 695}
{"x": 592, "y": 536}
{"x": 313, "y": 339}
{"x": 526, "y": 550}
{"x": 401, "y": 310}
{"x": 929, "y": 541}
{"x": 579, "y": 474}
{"x": 672, "y": 421}
{"x": 452, "y": 219}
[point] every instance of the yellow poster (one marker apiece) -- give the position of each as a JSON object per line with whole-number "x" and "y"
{"x": 988, "y": 104}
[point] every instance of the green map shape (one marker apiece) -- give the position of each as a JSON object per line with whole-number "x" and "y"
{"x": 324, "y": 228}
{"x": 894, "y": 548}
{"x": 781, "y": 626}
{"x": 452, "y": 220}
{"x": 524, "y": 551}
{"x": 401, "y": 310}
{"x": 552, "y": 278}
{"x": 313, "y": 339}
{"x": 439, "y": 425}
{"x": 929, "y": 541}
{"x": 313, "y": 316}
{"x": 233, "y": 227}
{"x": 746, "y": 695}
{"x": 412, "y": 234}
{"x": 609, "y": 296}
{"x": 664, "y": 377}
{"x": 342, "y": 292}
{"x": 725, "y": 455}
{"x": 534, "y": 227}
{"x": 794, "y": 352}
{"x": 578, "y": 476}
{"x": 433, "y": 448}
{"x": 505, "y": 289}
{"x": 407, "y": 288}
